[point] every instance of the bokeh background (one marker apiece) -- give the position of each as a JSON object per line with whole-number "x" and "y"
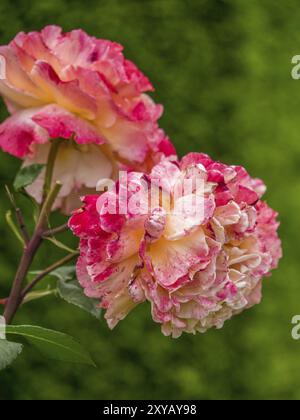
{"x": 223, "y": 71}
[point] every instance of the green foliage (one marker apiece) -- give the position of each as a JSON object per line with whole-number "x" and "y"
{"x": 60, "y": 245}
{"x": 53, "y": 344}
{"x": 8, "y": 352}
{"x": 69, "y": 290}
{"x": 27, "y": 175}
{"x": 222, "y": 70}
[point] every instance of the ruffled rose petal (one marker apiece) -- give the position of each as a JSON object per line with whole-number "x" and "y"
{"x": 197, "y": 272}
{"x": 61, "y": 123}
{"x": 189, "y": 212}
{"x": 75, "y": 168}
{"x": 78, "y": 87}
{"x": 66, "y": 94}
{"x": 25, "y": 133}
{"x": 169, "y": 261}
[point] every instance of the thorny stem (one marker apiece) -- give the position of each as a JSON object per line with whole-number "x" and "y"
{"x": 26, "y": 260}
{"x": 32, "y": 245}
{"x": 22, "y": 226}
{"x": 28, "y": 255}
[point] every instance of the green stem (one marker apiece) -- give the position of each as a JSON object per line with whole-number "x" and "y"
{"x": 50, "y": 166}
{"x": 29, "y": 252}
{"x": 47, "y": 206}
{"x": 56, "y": 231}
{"x": 13, "y": 227}
{"x": 31, "y": 245}
{"x": 26, "y": 261}
{"x": 38, "y": 295}
{"x": 47, "y": 271}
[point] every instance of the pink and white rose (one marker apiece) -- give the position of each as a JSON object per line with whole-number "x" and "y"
{"x": 75, "y": 86}
{"x": 197, "y": 269}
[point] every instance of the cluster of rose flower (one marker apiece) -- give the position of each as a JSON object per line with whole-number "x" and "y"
{"x": 196, "y": 269}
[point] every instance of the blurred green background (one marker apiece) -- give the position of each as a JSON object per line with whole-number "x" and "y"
{"x": 222, "y": 70}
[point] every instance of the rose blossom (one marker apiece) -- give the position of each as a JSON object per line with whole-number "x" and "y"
{"x": 197, "y": 269}
{"x": 77, "y": 87}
